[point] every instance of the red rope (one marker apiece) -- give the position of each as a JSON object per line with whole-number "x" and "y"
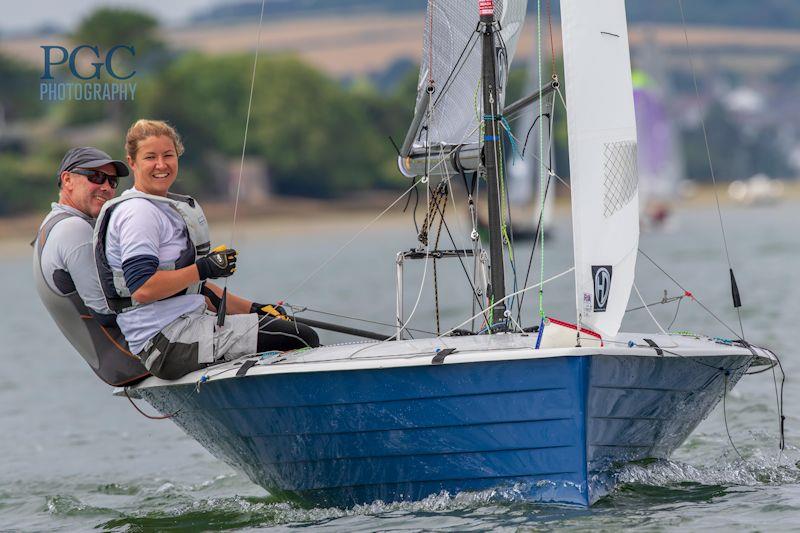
{"x": 151, "y": 417}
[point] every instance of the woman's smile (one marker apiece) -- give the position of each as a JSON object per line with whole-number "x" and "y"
{"x": 155, "y": 166}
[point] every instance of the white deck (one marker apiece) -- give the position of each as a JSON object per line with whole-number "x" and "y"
{"x": 468, "y": 349}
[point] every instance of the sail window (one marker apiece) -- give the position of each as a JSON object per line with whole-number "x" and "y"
{"x": 621, "y": 178}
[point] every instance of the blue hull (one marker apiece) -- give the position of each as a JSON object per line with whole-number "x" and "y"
{"x": 550, "y": 428}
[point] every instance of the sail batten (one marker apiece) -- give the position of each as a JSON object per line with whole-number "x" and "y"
{"x": 603, "y": 159}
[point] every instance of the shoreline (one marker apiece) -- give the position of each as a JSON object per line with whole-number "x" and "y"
{"x": 288, "y": 214}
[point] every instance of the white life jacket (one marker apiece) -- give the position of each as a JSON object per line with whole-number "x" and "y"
{"x": 116, "y": 291}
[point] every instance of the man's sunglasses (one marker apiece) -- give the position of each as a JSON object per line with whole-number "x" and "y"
{"x": 97, "y": 177}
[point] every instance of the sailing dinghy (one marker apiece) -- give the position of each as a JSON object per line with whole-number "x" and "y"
{"x": 545, "y": 412}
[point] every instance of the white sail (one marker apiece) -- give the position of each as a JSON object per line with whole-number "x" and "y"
{"x": 451, "y": 56}
{"x": 602, "y": 154}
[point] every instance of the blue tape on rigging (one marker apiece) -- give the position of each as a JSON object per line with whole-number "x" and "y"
{"x": 490, "y": 138}
{"x": 539, "y": 336}
{"x": 511, "y": 140}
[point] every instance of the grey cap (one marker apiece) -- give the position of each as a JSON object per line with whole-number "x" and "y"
{"x": 89, "y": 157}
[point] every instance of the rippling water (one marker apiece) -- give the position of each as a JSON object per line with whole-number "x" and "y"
{"x": 76, "y": 458}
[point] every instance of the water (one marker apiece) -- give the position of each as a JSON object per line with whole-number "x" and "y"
{"x": 76, "y": 458}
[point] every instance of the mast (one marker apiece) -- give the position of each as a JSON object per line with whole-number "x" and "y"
{"x": 492, "y": 138}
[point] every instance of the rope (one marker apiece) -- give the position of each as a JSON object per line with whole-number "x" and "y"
{"x": 325, "y": 263}
{"x": 440, "y": 195}
{"x": 459, "y": 65}
{"x": 639, "y": 294}
{"x": 541, "y": 155}
{"x": 476, "y": 243}
{"x": 779, "y": 402}
{"x": 246, "y": 127}
{"x": 677, "y": 310}
{"x": 297, "y": 309}
{"x": 483, "y": 311}
{"x": 426, "y": 180}
{"x": 430, "y": 43}
{"x": 688, "y": 293}
{"x": 725, "y": 413}
{"x": 546, "y": 190}
{"x": 493, "y": 304}
{"x": 164, "y": 417}
{"x": 505, "y": 207}
{"x": 222, "y": 308}
{"x": 708, "y": 155}
{"x": 552, "y": 44}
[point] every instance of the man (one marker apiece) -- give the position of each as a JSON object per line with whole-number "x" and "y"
{"x": 64, "y": 266}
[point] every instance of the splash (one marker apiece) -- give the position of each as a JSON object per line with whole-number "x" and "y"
{"x": 173, "y": 508}
{"x": 756, "y": 469}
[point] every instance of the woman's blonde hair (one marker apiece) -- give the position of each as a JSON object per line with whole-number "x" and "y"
{"x": 144, "y": 128}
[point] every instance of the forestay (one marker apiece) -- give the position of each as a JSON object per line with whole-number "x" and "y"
{"x": 450, "y": 30}
{"x": 602, "y": 150}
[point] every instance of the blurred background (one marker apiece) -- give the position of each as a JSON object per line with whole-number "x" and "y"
{"x": 337, "y": 79}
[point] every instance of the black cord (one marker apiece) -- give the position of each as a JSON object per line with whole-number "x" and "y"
{"x": 779, "y": 400}
{"x": 162, "y": 417}
{"x": 533, "y": 251}
{"x": 458, "y": 65}
{"x": 300, "y": 309}
{"x": 707, "y": 310}
{"x": 527, "y": 135}
{"x": 725, "y": 413}
{"x": 461, "y": 262}
{"x": 677, "y": 309}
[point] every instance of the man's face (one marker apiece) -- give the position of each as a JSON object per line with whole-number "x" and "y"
{"x": 78, "y": 192}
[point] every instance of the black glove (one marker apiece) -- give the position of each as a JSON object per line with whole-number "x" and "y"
{"x": 219, "y": 264}
{"x": 274, "y": 310}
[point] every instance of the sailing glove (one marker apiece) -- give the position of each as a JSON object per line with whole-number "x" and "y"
{"x": 268, "y": 310}
{"x": 217, "y": 264}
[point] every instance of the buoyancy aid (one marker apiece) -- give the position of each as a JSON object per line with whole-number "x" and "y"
{"x": 95, "y": 337}
{"x": 116, "y": 291}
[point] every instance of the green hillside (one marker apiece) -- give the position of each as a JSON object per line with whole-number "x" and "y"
{"x": 761, "y": 13}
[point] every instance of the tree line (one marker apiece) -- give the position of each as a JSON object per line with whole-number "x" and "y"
{"x": 317, "y": 136}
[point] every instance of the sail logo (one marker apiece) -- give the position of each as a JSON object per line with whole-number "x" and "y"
{"x": 602, "y": 287}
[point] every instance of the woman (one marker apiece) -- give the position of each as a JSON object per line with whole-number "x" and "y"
{"x": 152, "y": 251}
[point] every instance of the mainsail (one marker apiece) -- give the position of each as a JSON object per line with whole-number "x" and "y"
{"x": 602, "y": 153}
{"x": 451, "y": 60}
